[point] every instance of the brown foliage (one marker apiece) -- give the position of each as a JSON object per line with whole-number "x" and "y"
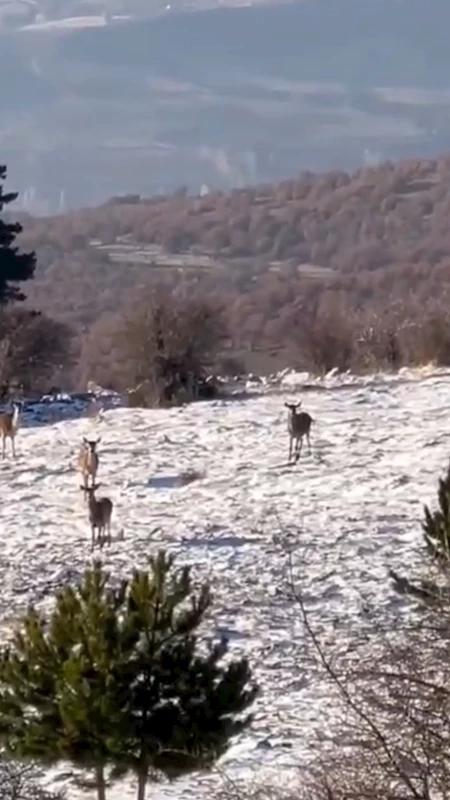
{"x": 381, "y": 234}
{"x": 164, "y": 344}
{"x": 368, "y": 220}
{"x": 35, "y": 350}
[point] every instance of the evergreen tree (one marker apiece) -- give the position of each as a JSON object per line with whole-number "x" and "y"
{"x": 15, "y": 267}
{"x": 436, "y": 531}
{"x": 183, "y": 707}
{"x": 436, "y": 526}
{"x": 114, "y": 680}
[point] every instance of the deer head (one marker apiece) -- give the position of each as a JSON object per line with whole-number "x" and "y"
{"x": 293, "y": 407}
{"x": 91, "y": 443}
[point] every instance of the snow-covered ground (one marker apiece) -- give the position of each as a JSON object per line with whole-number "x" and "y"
{"x": 354, "y": 506}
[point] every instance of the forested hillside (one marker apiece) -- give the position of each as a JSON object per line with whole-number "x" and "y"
{"x": 323, "y": 251}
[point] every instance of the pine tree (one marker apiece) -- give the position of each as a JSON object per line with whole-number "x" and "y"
{"x": 114, "y": 681}
{"x": 436, "y": 526}
{"x": 15, "y": 267}
{"x": 436, "y": 531}
{"x": 184, "y": 707}
{"x": 58, "y": 695}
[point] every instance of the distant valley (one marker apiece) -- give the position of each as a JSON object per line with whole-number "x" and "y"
{"x": 219, "y": 98}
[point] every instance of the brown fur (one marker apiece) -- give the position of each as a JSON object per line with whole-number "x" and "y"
{"x": 299, "y": 425}
{"x": 88, "y": 461}
{"x": 100, "y": 512}
{"x": 9, "y": 424}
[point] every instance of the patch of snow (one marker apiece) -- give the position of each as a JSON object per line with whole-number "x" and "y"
{"x": 379, "y": 444}
{"x": 67, "y": 23}
{"x": 293, "y": 378}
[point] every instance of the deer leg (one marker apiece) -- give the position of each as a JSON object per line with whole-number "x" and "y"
{"x": 3, "y": 446}
{"x": 13, "y": 446}
{"x": 309, "y": 443}
{"x": 298, "y": 448}
{"x": 290, "y": 448}
{"x": 93, "y": 537}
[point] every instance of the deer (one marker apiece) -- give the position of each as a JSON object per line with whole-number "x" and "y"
{"x": 100, "y": 512}
{"x": 299, "y": 425}
{"x": 9, "y": 423}
{"x": 88, "y": 460}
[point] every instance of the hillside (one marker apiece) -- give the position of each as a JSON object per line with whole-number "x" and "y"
{"x": 225, "y": 96}
{"x": 355, "y": 242}
{"x": 370, "y": 219}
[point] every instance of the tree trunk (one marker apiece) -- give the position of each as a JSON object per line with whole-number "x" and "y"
{"x": 142, "y": 785}
{"x": 101, "y": 783}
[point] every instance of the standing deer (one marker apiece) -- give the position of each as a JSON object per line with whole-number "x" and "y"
{"x": 299, "y": 425}
{"x": 9, "y": 423}
{"x": 88, "y": 460}
{"x": 100, "y": 512}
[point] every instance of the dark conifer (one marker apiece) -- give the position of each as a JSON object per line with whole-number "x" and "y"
{"x": 15, "y": 267}
{"x": 436, "y": 531}
{"x": 115, "y": 680}
{"x": 185, "y": 706}
{"x": 436, "y": 525}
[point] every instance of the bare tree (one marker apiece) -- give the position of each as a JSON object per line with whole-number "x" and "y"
{"x": 392, "y": 738}
{"x": 23, "y": 782}
{"x": 34, "y": 349}
{"x": 164, "y": 345}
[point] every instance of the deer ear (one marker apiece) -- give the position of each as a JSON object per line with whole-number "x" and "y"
{"x": 83, "y": 488}
{"x": 96, "y": 486}
{"x": 98, "y": 440}
{"x": 85, "y": 440}
{"x": 287, "y": 405}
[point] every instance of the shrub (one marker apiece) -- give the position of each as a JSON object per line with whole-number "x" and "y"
{"x": 34, "y": 349}
{"x": 23, "y": 782}
{"x": 164, "y": 346}
{"x": 116, "y": 680}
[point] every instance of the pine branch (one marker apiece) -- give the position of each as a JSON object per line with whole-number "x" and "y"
{"x": 404, "y": 586}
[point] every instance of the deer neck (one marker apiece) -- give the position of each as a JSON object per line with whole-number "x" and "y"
{"x": 91, "y": 501}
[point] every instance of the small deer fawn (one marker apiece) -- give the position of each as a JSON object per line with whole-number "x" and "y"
{"x": 9, "y": 423}
{"x": 88, "y": 460}
{"x": 299, "y": 425}
{"x": 100, "y": 512}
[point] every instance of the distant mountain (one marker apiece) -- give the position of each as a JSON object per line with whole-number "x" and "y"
{"x": 375, "y": 42}
{"x": 222, "y": 96}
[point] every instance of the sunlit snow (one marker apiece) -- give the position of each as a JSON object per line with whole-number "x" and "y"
{"x": 354, "y": 506}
